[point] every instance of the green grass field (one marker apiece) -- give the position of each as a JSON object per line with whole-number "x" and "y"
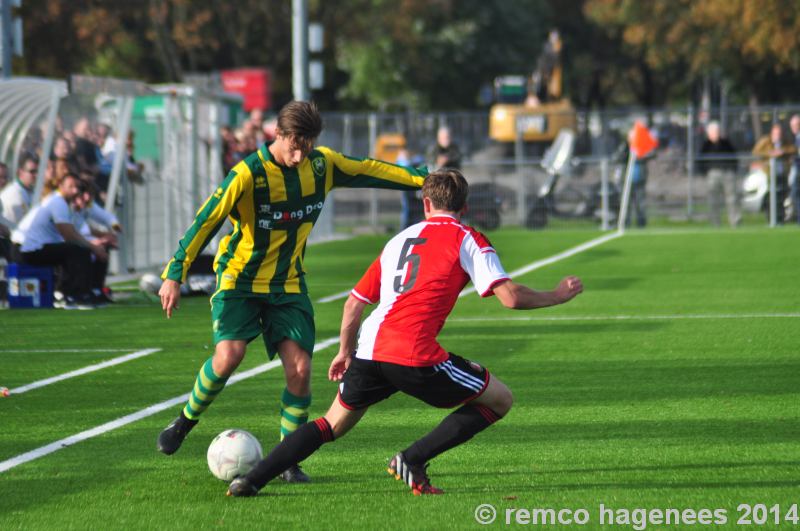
{"x": 672, "y": 382}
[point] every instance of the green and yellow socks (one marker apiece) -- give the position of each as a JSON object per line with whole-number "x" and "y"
{"x": 294, "y": 412}
{"x": 206, "y": 388}
{"x": 294, "y": 409}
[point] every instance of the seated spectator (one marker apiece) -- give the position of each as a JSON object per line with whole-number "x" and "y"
{"x": 98, "y": 227}
{"x": 106, "y": 146}
{"x": 133, "y": 169}
{"x": 3, "y": 175}
{"x": 16, "y": 198}
{"x": 85, "y": 149}
{"x": 5, "y": 225}
{"x": 50, "y": 238}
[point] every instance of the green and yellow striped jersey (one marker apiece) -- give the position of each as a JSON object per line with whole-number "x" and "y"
{"x": 272, "y": 209}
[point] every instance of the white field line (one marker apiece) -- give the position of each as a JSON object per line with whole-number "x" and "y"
{"x": 334, "y": 297}
{"x": 521, "y": 271}
{"x": 555, "y": 258}
{"x": 85, "y": 370}
{"x": 133, "y": 417}
{"x": 631, "y": 317}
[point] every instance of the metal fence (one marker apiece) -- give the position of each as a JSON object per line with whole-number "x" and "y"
{"x": 507, "y": 179}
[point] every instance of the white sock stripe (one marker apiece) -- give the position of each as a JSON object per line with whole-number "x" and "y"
{"x": 464, "y": 383}
{"x": 465, "y": 374}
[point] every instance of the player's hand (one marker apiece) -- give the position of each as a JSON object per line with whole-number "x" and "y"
{"x": 339, "y": 366}
{"x": 170, "y": 294}
{"x": 568, "y": 288}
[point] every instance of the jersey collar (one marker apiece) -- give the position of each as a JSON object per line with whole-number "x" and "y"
{"x": 265, "y": 154}
{"x": 442, "y": 217}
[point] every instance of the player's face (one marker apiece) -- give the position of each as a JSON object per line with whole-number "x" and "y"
{"x": 290, "y": 151}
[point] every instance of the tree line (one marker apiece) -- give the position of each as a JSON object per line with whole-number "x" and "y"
{"x": 434, "y": 54}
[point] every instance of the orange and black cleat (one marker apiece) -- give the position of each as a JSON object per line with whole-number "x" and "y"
{"x": 415, "y": 476}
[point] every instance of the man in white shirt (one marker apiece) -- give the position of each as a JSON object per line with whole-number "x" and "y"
{"x": 16, "y": 198}
{"x": 51, "y": 239}
{"x": 101, "y": 231}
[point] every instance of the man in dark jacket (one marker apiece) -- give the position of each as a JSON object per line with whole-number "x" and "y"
{"x": 718, "y": 163}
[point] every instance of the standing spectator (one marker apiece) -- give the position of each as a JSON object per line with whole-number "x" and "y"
{"x": 719, "y": 165}
{"x": 794, "y": 125}
{"x": 228, "y": 148}
{"x": 16, "y": 198}
{"x": 270, "y": 129}
{"x": 775, "y": 147}
{"x": 445, "y": 154}
{"x": 638, "y": 197}
{"x": 410, "y": 203}
{"x": 50, "y": 238}
{"x": 254, "y": 126}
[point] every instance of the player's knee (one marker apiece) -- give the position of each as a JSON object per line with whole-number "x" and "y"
{"x": 506, "y": 401}
{"x": 298, "y": 371}
{"x": 503, "y": 400}
{"x": 227, "y": 358}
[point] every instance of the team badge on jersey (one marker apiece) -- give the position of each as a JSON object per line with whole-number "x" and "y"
{"x": 318, "y": 165}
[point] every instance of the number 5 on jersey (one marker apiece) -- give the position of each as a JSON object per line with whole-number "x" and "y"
{"x": 406, "y": 256}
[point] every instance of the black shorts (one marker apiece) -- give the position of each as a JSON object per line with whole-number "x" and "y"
{"x": 445, "y": 385}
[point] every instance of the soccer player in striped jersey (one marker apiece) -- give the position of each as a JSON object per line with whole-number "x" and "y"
{"x": 272, "y": 198}
{"x": 415, "y": 282}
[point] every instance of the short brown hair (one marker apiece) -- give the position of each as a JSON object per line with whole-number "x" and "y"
{"x": 447, "y": 189}
{"x": 300, "y": 119}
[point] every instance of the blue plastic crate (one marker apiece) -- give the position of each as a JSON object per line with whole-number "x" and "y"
{"x": 30, "y": 287}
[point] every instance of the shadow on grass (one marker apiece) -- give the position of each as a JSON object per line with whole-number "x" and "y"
{"x": 690, "y": 432}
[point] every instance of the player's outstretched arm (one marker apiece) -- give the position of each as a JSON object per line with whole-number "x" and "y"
{"x": 519, "y": 297}
{"x": 351, "y": 320}
{"x": 170, "y": 294}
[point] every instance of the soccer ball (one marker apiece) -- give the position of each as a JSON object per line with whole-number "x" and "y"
{"x": 233, "y": 453}
{"x": 150, "y": 283}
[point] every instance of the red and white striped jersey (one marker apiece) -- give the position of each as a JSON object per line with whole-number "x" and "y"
{"x": 417, "y": 279}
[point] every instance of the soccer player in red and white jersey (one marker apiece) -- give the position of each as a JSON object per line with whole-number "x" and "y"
{"x": 415, "y": 282}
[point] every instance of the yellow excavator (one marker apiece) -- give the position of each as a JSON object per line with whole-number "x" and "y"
{"x": 533, "y": 105}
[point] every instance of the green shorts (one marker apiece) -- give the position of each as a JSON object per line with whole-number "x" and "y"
{"x": 243, "y": 315}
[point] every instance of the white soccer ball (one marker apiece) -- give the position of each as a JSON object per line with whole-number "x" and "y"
{"x": 150, "y": 283}
{"x": 233, "y": 453}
